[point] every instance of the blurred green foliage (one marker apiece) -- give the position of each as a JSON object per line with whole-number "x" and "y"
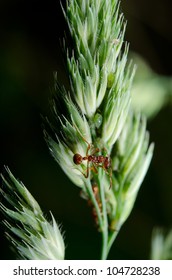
{"x": 29, "y": 53}
{"x": 150, "y": 92}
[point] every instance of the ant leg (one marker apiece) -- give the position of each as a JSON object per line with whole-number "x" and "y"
{"x": 81, "y": 135}
{"x": 87, "y": 172}
{"x": 89, "y": 145}
{"x": 110, "y": 177}
{"x": 106, "y": 152}
{"x": 88, "y": 148}
{"x": 109, "y": 173}
{"x": 102, "y": 166}
{"x": 96, "y": 150}
{"x": 93, "y": 168}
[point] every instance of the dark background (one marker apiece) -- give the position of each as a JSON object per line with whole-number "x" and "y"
{"x": 29, "y": 53}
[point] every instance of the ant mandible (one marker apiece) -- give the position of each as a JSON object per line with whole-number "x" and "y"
{"x": 96, "y": 160}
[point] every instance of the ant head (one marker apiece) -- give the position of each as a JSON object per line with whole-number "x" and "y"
{"x": 77, "y": 159}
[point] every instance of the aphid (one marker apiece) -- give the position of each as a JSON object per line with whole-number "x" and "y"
{"x": 110, "y": 81}
{"x": 95, "y": 161}
{"x": 97, "y": 120}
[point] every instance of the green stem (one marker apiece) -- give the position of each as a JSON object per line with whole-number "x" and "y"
{"x": 95, "y": 204}
{"x": 104, "y": 217}
{"x": 101, "y": 215}
{"x": 111, "y": 240}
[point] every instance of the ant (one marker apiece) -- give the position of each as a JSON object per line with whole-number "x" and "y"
{"x": 96, "y": 160}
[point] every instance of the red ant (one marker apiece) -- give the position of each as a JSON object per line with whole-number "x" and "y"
{"x": 97, "y": 161}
